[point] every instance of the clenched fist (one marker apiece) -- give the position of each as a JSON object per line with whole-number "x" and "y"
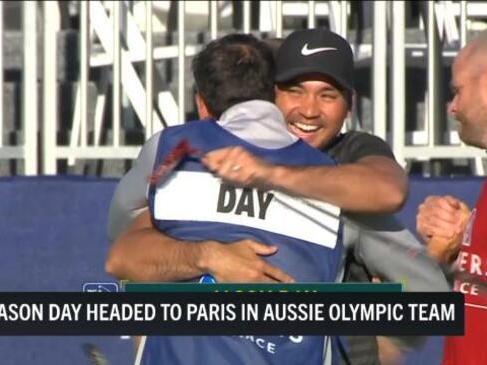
{"x": 441, "y": 221}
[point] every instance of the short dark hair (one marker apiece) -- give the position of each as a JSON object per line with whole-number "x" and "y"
{"x": 234, "y": 69}
{"x": 274, "y": 44}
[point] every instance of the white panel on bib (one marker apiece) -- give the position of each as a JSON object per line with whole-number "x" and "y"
{"x": 199, "y": 196}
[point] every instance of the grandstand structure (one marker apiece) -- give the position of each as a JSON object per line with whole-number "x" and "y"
{"x": 85, "y": 83}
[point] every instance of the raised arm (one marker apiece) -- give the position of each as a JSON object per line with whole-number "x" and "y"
{"x": 373, "y": 184}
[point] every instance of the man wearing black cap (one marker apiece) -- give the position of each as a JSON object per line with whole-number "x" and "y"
{"x": 314, "y": 91}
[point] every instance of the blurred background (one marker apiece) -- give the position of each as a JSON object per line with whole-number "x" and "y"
{"x": 85, "y": 83}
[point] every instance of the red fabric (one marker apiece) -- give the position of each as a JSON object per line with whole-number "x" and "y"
{"x": 471, "y": 349}
{"x": 177, "y": 154}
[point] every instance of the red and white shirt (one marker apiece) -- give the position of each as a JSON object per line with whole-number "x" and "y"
{"x": 471, "y": 280}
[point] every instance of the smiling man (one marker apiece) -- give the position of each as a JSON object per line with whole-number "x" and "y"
{"x": 457, "y": 237}
{"x": 315, "y": 84}
{"x": 305, "y": 118}
{"x": 314, "y": 91}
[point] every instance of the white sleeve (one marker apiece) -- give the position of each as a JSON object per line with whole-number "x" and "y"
{"x": 130, "y": 197}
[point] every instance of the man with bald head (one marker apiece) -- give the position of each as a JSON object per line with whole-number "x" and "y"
{"x": 453, "y": 233}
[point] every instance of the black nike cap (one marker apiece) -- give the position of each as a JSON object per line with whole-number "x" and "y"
{"x": 315, "y": 51}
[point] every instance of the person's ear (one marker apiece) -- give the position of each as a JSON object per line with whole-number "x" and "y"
{"x": 203, "y": 112}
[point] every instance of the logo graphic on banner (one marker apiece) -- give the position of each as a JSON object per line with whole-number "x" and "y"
{"x": 207, "y": 279}
{"x": 100, "y": 287}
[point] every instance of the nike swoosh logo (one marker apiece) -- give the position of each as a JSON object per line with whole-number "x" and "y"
{"x": 305, "y": 51}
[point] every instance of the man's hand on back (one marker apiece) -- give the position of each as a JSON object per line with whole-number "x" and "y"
{"x": 241, "y": 262}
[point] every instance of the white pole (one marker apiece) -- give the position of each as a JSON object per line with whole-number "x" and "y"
{"x": 398, "y": 78}
{"x": 149, "y": 71}
{"x": 52, "y": 23}
{"x": 278, "y": 18}
{"x": 181, "y": 61}
{"x": 311, "y": 15}
{"x": 117, "y": 67}
{"x": 84, "y": 69}
{"x": 246, "y": 16}
{"x": 432, "y": 75}
{"x": 213, "y": 19}
{"x": 379, "y": 70}
{"x": 29, "y": 89}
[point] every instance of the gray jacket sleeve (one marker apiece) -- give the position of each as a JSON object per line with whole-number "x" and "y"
{"x": 392, "y": 253}
{"x": 130, "y": 197}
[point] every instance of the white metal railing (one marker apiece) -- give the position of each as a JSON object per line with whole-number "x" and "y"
{"x": 429, "y": 147}
{"x": 26, "y": 148}
{"x": 106, "y": 26}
